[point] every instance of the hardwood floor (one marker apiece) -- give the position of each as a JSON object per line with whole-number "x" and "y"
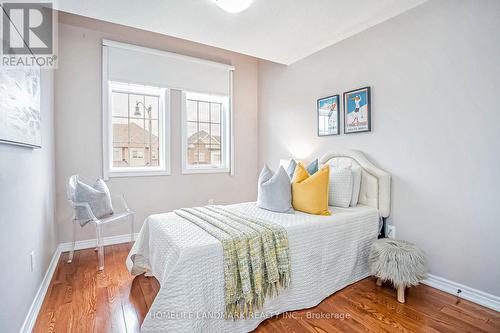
{"x": 80, "y": 299}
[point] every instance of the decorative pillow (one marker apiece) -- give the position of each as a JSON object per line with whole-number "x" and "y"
{"x": 356, "y": 184}
{"x": 340, "y": 193}
{"x": 310, "y": 193}
{"x": 98, "y": 198}
{"x": 291, "y": 168}
{"x": 274, "y": 191}
{"x": 312, "y": 168}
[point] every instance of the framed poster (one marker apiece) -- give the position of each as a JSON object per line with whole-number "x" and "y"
{"x": 328, "y": 116}
{"x": 357, "y": 113}
{"x": 20, "y": 106}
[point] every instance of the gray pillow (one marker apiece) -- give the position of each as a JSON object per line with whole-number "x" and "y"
{"x": 312, "y": 168}
{"x": 291, "y": 168}
{"x": 98, "y": 198}
{"x": 274, "y": 191}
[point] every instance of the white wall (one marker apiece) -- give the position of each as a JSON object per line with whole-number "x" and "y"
{"x": 78, "y": 123}
{"x": 435, "y": 78}
{"x": 26, "y": 216}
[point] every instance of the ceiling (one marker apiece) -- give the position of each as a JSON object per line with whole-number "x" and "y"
{"x": 283, "y": 31}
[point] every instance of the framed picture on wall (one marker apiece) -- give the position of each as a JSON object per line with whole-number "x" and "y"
{"x": 328, "y": 116}
{"x": 20, "y": 106}
{"x": 357, "y": 111}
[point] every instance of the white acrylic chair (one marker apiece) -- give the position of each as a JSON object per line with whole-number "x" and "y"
{"x": 120, "y": 208}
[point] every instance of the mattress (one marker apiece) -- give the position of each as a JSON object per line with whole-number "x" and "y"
{"x": 327, "y": 253}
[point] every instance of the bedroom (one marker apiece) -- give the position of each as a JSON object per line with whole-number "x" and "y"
{"x": 215, "y": 96}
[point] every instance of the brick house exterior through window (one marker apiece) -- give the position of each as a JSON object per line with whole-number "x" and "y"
{"x": 205, "y": 122}
{"x": 137, "y": 125}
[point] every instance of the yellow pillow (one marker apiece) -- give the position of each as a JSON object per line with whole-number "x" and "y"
{"x": 310, "y": 193}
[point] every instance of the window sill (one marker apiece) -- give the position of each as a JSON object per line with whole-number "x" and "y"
{"x": 117, "y": 174}
{"x": 204, "y": 170}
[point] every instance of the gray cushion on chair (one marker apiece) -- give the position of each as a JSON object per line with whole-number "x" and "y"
{"x": 98, "y": 198}
{"x": 274, "y": 191}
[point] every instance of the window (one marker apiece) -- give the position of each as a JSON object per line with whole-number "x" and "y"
{"x": 137, "y": 124}
{"x": 205, "y": 133}
{"x": 117, "y": 155}
{"x": 136, "y": 116}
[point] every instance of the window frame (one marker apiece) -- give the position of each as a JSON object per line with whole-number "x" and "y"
{"x": 164, "y": 134}
{"x": 226, "y": 126}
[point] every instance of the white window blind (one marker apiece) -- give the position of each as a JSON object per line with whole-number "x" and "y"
{"x": 139, "y": 65}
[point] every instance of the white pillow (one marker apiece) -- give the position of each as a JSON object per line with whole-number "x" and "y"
{"x": 340, "y": 187}
{"x": 356, "y": 184}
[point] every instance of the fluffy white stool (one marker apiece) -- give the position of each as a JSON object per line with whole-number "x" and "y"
{"x": 399, "y": 262}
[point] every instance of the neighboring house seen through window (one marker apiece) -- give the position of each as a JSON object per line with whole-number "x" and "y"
{"x": 205, "y": 133}
{"x": 138, "y": 130}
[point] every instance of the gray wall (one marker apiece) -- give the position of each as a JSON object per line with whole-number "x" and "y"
{"x": 435, "y": 78}
{"x": 78, "y": 123}
{"x": 26, "y": 216}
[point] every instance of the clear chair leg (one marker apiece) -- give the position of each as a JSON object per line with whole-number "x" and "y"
{"x": 72, "y": 251}
{"x": 100, "y": 248}
{"x": 131, "y": 217}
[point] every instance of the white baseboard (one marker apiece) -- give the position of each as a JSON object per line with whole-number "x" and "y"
{"x": 468, "y": 293}
{"x": 29, "y": 321}
{"x": 90, "y": 243}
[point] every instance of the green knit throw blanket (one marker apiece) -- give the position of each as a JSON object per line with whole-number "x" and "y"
{"x": 256, "y": 256}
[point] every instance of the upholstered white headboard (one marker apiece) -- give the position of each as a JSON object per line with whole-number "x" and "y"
{"x": 375, "y": 183}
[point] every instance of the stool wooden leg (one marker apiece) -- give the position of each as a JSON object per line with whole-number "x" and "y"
{"x": 401, "y": 294}
{"x": 379, "y": 282}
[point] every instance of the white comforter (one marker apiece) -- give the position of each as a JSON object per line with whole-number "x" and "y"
{"x": 327, "y": 253}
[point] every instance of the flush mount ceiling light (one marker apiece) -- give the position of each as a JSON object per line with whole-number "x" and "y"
{"x": 233, "y": 6}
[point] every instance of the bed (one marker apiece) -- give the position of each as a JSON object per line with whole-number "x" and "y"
{"x": 327, "y": 253}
